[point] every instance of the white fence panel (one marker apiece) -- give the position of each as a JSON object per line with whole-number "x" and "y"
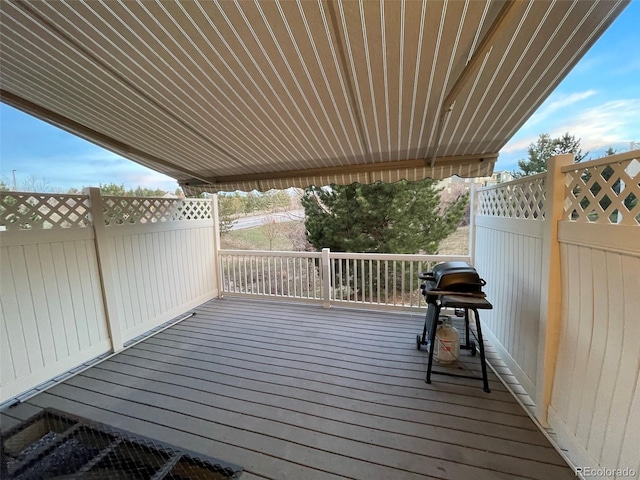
{"x": 163, "y": 252}
{"x": 509, "y": 258}
{"x": 60, "y": 307}
{"x": 52, "y": 312}
{"x": 508, "y": 255}
{"x": 595, "y": 405}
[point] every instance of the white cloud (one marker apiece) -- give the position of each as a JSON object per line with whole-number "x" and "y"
{"x": 554, "y": 105}
{"x": 612, "y": 122}
{"x": 150, "y": 179}
{"x": 84, "y": 167}
{"x": 518, "y": 145}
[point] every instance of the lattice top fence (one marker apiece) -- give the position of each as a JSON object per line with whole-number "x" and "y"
{"x": 33, "y": 211}
{"x": 523, "y": 198}
{"x": 605, "y": 191}
{"x": 36, "y": 211}
{"x": 134, "y": 210}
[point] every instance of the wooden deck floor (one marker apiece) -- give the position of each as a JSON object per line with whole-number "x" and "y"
{"x": 300, "y": 392}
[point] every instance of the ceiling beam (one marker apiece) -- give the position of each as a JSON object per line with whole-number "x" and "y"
{"x": 505, "y": 16}
{"x": 507, "y": 13}
{"x": 344, "y": 170}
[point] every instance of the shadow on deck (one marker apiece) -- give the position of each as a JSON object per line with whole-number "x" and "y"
{"x": 293, "y": 391}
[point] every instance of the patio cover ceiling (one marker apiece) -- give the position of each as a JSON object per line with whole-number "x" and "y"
{"x": 226, "y": 95}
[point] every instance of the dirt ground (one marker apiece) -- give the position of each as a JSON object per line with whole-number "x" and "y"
{"x": 457, "y": 243}
{"x": 290, "y": 235}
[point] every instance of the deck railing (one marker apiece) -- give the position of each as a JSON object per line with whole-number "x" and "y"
{"x": 339, "y": 278}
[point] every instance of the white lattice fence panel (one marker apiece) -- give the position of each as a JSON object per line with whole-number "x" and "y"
{"x": 524, "y": 198}
{"x": 134, "y": 210}
{"x": 606, "y": 193}
{"x": 33, "y": 211}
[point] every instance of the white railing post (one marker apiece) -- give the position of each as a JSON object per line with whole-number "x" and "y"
{"x": 473, "y": 202}
{"x": 551, "y": 292}
{"x": 216, "y": 244}
{"x": 325, "y": 267}
{"x": 105, "y": 268}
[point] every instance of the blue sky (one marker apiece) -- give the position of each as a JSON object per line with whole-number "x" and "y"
{"x": 598, "y": 102}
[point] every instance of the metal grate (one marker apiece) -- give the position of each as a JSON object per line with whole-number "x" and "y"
{"x": 57, "y": 445}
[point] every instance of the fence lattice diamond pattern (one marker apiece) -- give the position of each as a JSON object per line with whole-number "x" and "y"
{"x": 521, "y": 199}
{"x": 606, "y": 194}
{"x": 30, "y": 211}
{"x": 132, "y": 210}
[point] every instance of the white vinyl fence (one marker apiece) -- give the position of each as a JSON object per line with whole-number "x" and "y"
{"x": 508, "y": 254}
{"x": 561, "y": 255}
{"x": 83, "y": 274}
{"x": 595, "y": 404}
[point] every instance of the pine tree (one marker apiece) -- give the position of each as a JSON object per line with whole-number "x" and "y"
{"x": 546, "y": 147}
{"x": 226, "y": 210}
{"x": 403, "y": 217}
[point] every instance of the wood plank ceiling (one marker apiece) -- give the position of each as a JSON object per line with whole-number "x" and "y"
{"x": 226, "y": 95}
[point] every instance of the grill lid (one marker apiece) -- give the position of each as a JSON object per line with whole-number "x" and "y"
{"x": 453, "y": 276}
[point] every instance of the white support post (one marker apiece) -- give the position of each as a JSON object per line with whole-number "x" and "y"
{"x": 215, "y": 214}
{"x": 326, "y": 278}
{"x": 105, "y": 268}
{"x": 473, "y": 205}
{"x": 551, "y": 293}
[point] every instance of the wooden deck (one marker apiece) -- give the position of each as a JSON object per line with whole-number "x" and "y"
{"x": 299, "y": 392}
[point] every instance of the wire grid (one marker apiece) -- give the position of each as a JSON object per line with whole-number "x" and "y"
{"x": 53, "y": 444}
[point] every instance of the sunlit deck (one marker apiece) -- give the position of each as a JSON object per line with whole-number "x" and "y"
{"x": 294, "y": 391}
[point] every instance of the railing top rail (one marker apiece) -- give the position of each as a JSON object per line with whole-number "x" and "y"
{"x": 526, "y": 179}
{"x": 270, "y": 253}
{"x": 619, "y": 157}
{"x": 398, "y": 257}
{"x": 349, "y": 255}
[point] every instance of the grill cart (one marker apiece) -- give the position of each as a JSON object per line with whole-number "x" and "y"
{"x": 458, "y": 286}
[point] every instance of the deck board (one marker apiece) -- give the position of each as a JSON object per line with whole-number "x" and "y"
{"x": 296, "y": 391}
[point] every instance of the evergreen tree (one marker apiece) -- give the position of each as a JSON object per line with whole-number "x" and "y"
{"x": 546, "y": 147}
{"x": 403, "y": 217}
{"x": 226, "y": 210}
{"x": 113, "y": 189}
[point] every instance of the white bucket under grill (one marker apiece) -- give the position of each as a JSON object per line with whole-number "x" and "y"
{"x": 447, "y": 347}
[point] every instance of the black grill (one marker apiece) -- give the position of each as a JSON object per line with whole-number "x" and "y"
{"x": 53, "y": 444}
{"x": 454, "y": 285}
{"x": 459, "y": 277}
